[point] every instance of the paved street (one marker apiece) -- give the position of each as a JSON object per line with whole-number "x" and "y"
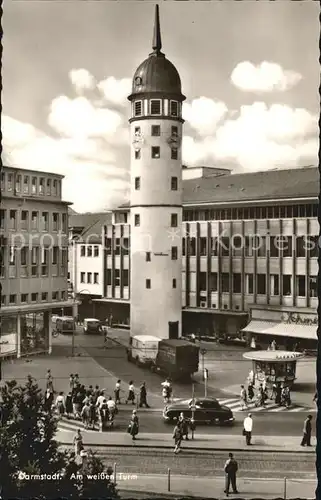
{"x": 133, "y": 460}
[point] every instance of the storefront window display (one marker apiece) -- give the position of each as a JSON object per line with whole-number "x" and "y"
{"x": 9, "y": 325}
{"x": 34, "y": 334}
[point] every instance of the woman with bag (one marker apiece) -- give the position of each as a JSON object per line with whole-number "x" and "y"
{"x": 133, "y": 427}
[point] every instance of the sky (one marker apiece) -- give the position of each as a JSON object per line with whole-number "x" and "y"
{"x": 249, "y": 70}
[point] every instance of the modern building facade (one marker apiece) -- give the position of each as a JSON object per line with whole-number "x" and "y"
{"x": 34, "y": 250}
{"x": 155, "y": 195}
{"x": 249, "y": 250}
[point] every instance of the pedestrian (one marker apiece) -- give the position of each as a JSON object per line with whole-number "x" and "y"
{"x": 49, "y": 381}
{"x": 68, "y": 404}
{"x": 230, "y": 469}
{"x": 92, "y": 414}
{"x": 76, "y": 379}
{"x": 131, "y": 393}
{"x": 76, "y": 403}
{"x": 307, "y": 430}
{"x": 247, "y": 429}
{"x": 177, "y": 436}
{"x": 167, "y": 391}
{"x": 143, "y": 396}
{"x": 48, "y": 400}
{"x": 117, "y": 392}
{"x": 78, "y": 443}
{"x": 273, "y": 345}
{"x": 192, "y": 426}
{"x": 261, "y": 396}
{"x": 85, "y": 414}
{"x": 100, "y": 399}
{"x": 103, "y": 414}
{"x": 60, "y": 404}
{"x": 133, "y": 427}
{"x": 71, "y": 381}
{"x": 278, "y": 392}
{"x": 96, "y": 393}
{"x": 183, "y": 425}
{"x": 250, "y": 391}
{"x": 243, "y": 398}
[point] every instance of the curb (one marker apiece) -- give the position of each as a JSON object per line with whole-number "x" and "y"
{"x": 101, "y": 446}
{"x": 152, "y": 494}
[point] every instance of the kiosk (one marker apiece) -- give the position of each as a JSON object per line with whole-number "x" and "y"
{"x": 274, "y": 366}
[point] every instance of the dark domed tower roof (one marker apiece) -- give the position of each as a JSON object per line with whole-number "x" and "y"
{"x": 157, "y": 74}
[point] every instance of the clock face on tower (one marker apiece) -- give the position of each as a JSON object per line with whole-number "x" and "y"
{"x": 174, "y": 141}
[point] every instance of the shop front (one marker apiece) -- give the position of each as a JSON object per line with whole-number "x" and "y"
{"x": 291, "y": 329}
{"x": 9, "y": 336}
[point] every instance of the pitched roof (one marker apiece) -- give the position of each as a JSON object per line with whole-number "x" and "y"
{"x": 91, "y": 225}
{"x": 270, "y": 184}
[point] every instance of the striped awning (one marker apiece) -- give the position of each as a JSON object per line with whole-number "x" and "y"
{"x": 282, "y": 329}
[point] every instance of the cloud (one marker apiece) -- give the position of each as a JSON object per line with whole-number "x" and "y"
{"x": 115, "y": 91}
{"x": 204, "y": 114}
{"x": 265, "y": 77}
{"x": 79, "y": 118}
{"x": 82, "y": 80}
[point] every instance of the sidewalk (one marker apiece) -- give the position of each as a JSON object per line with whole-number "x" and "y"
{"x": 206, "y": 442}
{"x": 187, "y": 486}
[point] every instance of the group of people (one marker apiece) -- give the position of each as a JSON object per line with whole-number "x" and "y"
{"x": 181, "y": 431}
{"x": 91, "y": 405}
{"x": 279, "y": 393}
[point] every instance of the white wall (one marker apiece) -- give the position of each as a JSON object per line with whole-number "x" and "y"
{"x": 90, "y": 265}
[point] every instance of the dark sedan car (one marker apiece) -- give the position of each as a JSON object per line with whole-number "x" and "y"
{"x": 207, "y": 410}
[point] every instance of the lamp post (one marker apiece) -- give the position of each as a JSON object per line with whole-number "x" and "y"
{"x": 74, "y": 315}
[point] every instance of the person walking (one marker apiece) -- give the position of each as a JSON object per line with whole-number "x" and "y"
{"x": 167, "y": 391}
{"x": 177, "y": 436}
{"x": 250, "y": 391}
{"x": 192, "y": 426}
{"x": 60, "y": 404}
{"x": 85, "y": 414}
{"x": 133, "y": 427}
{"x": 184, "y": 426}
{"x": 48, "y": 400}
{"x": 230, "y": 469}
{"x": 49, "y": 381}
{"x": 307, "y": 430}
{"x": 117, "y": 392}
{"x": 243, "y": 398}
{"x": 143, "y": 396}
{"x": 71, "y": 381}
{"x": 248, "y": 428}
{"x": 68, "y": 404}
{"x": 131, "y": 393}
{"x": 78, "y": 443}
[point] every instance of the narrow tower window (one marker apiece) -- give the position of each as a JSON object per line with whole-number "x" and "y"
{"x": 175, "y": 131}
{"x": 148, "y": 257}
{"x": 137, "y": 183}
{"x": 174, "y": 283}
{"x": 137, "y": 154}
{"x": 137, "y": 130}
{"x": 174, "y": 154}
{"x": 174, "y": 220}
{"x": 137, "y": 220}
{"x": 155, "y": 152}
{"x": 155, "y": 107}
{"x": 174, "y": 253}
{"x": 148, "y": 283}
{"x": 156, "y": 130}
{"x": 138, "y": 108}
{"x": 174, "y": 108}
{"x": 174, "y": 183}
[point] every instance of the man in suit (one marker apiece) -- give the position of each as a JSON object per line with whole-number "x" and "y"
{"x": 230, "y": 469}
{"x": 307, "y": 429}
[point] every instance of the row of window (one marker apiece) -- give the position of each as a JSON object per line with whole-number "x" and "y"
{"x": 34, "y": 261}
{"x": 155, "y": 153}
{"x": 90, "y": 277}
{"x": 125, "y": 279}
{"x": 276, "y": 245}
{"x": 174, "y": 184}
{"x": 30, "y": 185}
{"x": 92, "y": 251}
{"x": 25, "y": 298}
{"x": 252, "y": 213}
{"x": 34, "y": 221}
{"x": 156, "y": 108}
{"x": 284, "y": 286}
{"x": 173, "y": 221}
{"x": 155, "y": 131}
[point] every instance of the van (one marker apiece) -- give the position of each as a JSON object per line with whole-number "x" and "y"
{"x": 143, "y": 349}
{"x": 65, "y": 324}
{"x": 92, "y": 325}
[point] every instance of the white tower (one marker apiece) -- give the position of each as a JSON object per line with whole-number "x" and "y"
{"x": 156, "y": 196}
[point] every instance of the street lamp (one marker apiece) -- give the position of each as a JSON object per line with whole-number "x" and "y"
{"x": 75, "y": 314}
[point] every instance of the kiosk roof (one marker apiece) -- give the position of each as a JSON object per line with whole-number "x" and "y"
{"x": 273, "y": 356}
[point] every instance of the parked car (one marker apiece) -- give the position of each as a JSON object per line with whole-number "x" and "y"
{"x": 207, "y": 410}
{"x": 92, "y": 325}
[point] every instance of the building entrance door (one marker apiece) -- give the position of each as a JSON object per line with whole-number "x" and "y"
{"x": 173, "y": 329}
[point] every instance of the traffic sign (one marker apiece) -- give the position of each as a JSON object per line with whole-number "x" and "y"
{"x": 203, "y": 352}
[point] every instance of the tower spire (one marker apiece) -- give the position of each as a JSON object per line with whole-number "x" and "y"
{"x": 157, "y": 40}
